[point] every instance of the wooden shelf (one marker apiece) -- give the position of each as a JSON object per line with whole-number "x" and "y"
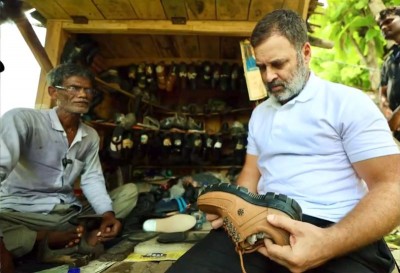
{"x": 104, "y": 86}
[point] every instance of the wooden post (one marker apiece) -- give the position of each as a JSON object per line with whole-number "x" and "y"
{"x": 54, "y": 44}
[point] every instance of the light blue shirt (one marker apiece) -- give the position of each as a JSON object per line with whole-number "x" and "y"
{"x": 306, "y": 147}
{"x": 33, "y": 145}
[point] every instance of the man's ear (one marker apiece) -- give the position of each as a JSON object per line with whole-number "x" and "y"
{"x": 307, "y": 53}
{"x": 52, "y": 91}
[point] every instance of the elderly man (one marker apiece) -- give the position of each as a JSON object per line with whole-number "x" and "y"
{"x": 42, "y": 154}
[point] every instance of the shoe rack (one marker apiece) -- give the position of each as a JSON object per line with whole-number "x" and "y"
{"x": 217, "y": 139}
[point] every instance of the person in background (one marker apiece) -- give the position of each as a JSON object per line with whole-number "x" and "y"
{"x": 42, "y": 154}
{"x": 389, "y": 90}
{"x": 323, "y": 144}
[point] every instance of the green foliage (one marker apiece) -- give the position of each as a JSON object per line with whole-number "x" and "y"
{"x": 351, "y": 26}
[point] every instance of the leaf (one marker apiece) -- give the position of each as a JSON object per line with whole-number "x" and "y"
{"x": 361, "y": 4}
{"x": 371, "y": 34}
{"x": 338, "y": 12}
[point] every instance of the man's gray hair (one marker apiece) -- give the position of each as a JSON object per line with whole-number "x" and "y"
{"x": 64, "y": 71}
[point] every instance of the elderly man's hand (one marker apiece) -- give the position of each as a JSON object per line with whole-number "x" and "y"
{"x": 109, "y": 228}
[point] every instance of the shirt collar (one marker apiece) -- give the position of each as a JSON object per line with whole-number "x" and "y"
{"x": 56, "y": 123}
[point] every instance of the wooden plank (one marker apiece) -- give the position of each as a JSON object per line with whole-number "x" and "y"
{"x": 122, "y": 267}
{"x": 141, "y": 46}
{"x": 49, "y": 9}
{"x": 125, "y": 46}
{"x": 300, "y": 6}
{"x": 233, "y": 9}
{"x": 162, "y": 266}
{"x": 165, "y": 46}
{"x": 56, "y": 37}
{"x": 106, "y": 46}
{"x": 149, "y": 9}
{"x": 84, "y": 8}
{"x": 188, "y": 46}
{"x": 259, "y": 8}
{"x": 201, "y": 9}
{"x": 164, "y": 27}
{"x": 230, "y": 48}
{"x": 174, "y": 8}
{"x": 209, "y": 47}
{"x": 118, "y": 45}
{"x": 115, "y": 9}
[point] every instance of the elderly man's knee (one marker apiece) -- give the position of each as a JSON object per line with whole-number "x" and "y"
{"x": 20, "y": 240}
{"x": 124, "y": 199}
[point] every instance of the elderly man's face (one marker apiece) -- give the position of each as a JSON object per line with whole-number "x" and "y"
{"x": 74, "y": 95}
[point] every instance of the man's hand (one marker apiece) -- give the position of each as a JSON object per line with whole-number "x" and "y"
{"x": 307, "y": 247}
{"x": 110, "y": 227}
{"x": 215, "y": 220}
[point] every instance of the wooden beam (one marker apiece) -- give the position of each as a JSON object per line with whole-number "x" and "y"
{"x": 164, "y": 27}
{"x": 320, "y": 42}
{"x": 116, "y": 62}
{"x": 33, "y": 42}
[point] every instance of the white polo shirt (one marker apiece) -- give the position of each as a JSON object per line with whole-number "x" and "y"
{"x": 306, "y": 147}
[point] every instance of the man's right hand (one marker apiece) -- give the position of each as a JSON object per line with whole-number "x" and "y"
{"x": 215, "y": 220}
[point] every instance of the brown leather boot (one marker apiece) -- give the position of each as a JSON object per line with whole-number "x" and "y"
{"x": 245, "y": 214}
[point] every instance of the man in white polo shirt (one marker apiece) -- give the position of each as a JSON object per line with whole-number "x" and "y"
{"x": 323, "y": 144}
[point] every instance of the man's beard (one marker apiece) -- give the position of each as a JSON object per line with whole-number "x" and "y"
{"x": 293, "y": 86}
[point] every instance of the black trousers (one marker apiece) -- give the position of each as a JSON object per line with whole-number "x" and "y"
{"x": 216, "y": 254}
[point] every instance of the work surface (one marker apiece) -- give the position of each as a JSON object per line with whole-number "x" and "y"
{"x": 116, "y": 258}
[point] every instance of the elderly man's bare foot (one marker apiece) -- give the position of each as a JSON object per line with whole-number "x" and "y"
{"x": 61, "y": 239}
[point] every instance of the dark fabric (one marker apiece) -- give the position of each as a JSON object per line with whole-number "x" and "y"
{"x": 216, "y": 254}
{"x": 396, "y": 135}
{"x": 390, "y": 76}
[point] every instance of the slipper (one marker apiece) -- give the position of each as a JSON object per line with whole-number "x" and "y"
{"x": 116, "y": 142}
{"x": 62, "y": 255}
{"x": 174, "y": 223}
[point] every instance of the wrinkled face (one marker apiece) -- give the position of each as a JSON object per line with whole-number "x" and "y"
{"x": 74, "y": 95}
{"x": 390, "y": 27}
{"x": 284, "y": 70}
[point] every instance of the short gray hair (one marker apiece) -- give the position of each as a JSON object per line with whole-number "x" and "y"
{"x": 64, "y": 71}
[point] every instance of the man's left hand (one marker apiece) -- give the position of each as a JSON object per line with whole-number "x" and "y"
{"x": 306, "y": 249}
